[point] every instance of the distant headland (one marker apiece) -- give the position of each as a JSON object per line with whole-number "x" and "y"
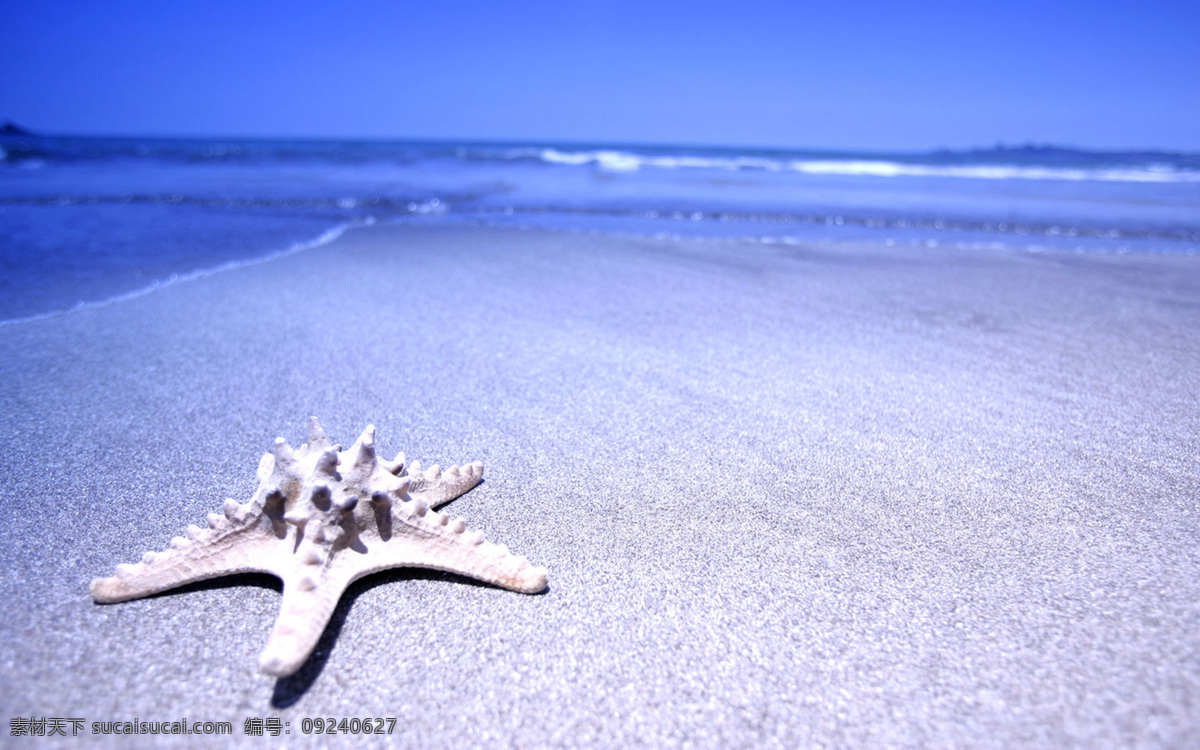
{"x": 11, "y": 128}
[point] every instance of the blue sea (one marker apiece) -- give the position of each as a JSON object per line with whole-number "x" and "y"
{"x": 85, "y": 221}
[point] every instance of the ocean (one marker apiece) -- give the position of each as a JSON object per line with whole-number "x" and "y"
{"x": 86, "y": 221}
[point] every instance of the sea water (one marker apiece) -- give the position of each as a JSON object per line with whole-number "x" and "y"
{"x": 86, "y": 221}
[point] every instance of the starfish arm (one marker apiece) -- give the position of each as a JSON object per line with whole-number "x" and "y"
{"x": 239, "y": 543}
{"x": 308, "y": 603}
{"x": 428, "y": 539}
{"x": 481, "y": 560}
{"x": 436, "y": 487}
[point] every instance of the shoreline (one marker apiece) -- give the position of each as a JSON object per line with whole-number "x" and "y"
{"x": 474, "y": 222}
{"x": 324, "y": 238}
{"x": 792, "y": 494}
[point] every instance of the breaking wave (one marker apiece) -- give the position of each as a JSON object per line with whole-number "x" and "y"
{"x": 626, "y": 161}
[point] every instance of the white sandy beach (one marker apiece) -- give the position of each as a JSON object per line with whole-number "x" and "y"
{"x": 788, "y": 496}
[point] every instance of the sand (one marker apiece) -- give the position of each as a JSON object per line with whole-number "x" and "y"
{"x": 788, "y": 496}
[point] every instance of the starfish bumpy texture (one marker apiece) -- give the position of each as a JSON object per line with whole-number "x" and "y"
{"x": 320, "y": 519}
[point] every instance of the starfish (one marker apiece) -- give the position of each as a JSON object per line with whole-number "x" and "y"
{"x": 320, "y": 519}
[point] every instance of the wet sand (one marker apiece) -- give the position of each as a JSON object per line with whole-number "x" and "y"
{"x": 837, "y": 495}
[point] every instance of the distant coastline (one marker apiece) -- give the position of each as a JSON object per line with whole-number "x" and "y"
{"x": 1026, "y": 150}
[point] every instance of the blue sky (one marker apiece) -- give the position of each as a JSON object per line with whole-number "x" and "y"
{"x": 866, "y": 75}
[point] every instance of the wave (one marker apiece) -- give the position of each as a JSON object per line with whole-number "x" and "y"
{"x": 625, "y": 161}
{"x": 994, "y": 172}
{"x": 622, "y": 161}
{"x": 323, "y": 239}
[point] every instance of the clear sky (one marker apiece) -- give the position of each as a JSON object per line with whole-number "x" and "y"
{"x": 853, "y": 74}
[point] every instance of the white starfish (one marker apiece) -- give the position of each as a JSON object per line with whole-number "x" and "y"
{"x": 321, "y": 519}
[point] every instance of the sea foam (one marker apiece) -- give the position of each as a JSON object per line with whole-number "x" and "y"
{"x": 990, "y": 172}
{"x": 626, "y": 161}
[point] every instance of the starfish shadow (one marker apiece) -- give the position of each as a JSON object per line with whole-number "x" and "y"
{"x": 290, "y": 689}
{"x": 235, "y": 580}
